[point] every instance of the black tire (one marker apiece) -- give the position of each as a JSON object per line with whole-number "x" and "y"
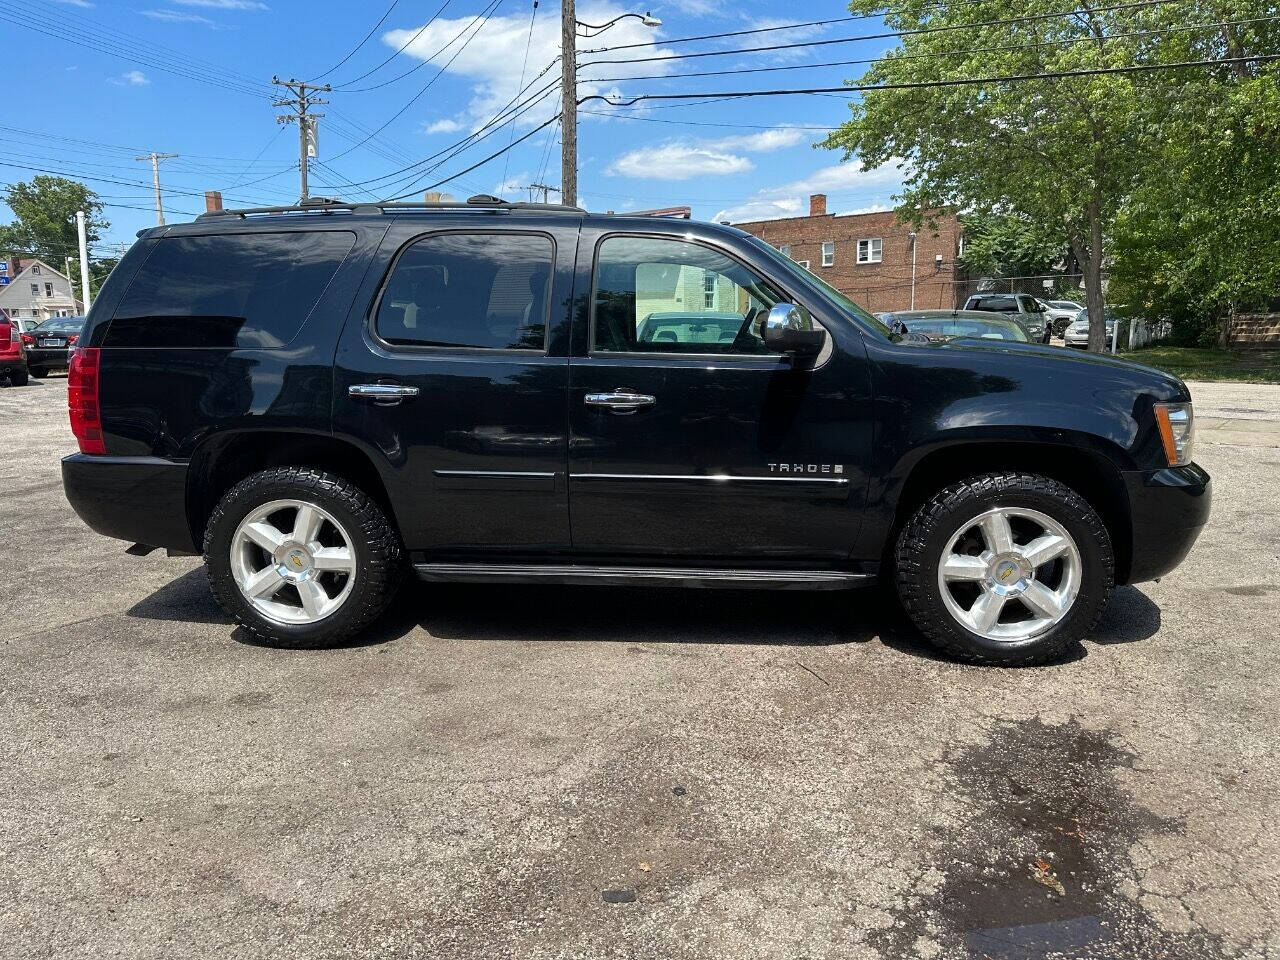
{"x": 18, "y": 378}
{"x": 374, "y": 540}
{"x": 925, "y": 536}
{"x": 37, "y": 372}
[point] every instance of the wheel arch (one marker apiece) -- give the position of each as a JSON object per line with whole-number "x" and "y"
{"x": 225, "y": 459}
{"x": 1084, "y": 467}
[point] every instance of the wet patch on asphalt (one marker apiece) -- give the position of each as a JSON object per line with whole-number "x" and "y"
{"x": 1036, "y": 866}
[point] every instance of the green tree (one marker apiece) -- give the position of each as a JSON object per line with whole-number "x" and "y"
{"x": 1065, "y": 152}
{"x": 1002, "y": 245}
{"x": 46, "y": 221}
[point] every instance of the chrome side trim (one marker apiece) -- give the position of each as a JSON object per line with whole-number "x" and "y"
{"x": 692, "y": 577}
{"x": 494, "y": 480}
{"x": 708, "y": 478}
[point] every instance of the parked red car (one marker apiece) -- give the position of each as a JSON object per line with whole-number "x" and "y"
{"x": 13, "y": 355}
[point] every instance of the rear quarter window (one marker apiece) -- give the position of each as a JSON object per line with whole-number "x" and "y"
{"x": 246, "y": 290}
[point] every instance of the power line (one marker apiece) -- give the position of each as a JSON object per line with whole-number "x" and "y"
{"x": 372, "y": 31}
{"x": 922, "y": 31}
{"x": 493, "y": 5}
{"x": 705, "y": 123}
{"x": 367, "y": 73}
{"x": 856, "y": 88}
{"x": 963, "y": 52}
{"x": 528, "y": 42}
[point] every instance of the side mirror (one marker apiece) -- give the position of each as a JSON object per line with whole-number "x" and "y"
{"x": 787, "y": 330}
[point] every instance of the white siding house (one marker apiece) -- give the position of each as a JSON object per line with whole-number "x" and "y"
{"x": 31, "y": 289}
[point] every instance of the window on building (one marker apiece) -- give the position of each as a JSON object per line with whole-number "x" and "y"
{"x": 249, "y": 290}
{"x": 828, "y": 253}
{"x": 803, "y": 263}
{"x": 35, "y": 270}
{"x": 487, "y": 291}
{"x": 651, "y": 298}
{"x": 785, "y": 249}
{"x": 48, "y": 289}
{"x": 870, "y": 250}
{"x": 35, "y": 289}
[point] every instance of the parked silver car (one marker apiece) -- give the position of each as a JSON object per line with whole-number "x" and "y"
{"x": 1060, "y": 313}
{"x": 1023, "y": 307}
{"x": 1077, "y": 332}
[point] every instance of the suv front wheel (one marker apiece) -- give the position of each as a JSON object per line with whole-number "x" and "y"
{"x": 1005, "y": 568}
{"x": 300, "y": 557}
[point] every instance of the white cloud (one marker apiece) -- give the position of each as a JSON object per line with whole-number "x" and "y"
{"x": 134, "y": 78}
{"x": 694, "y": 8}
{"x": 177, "y": 16}
{"x": 223, "y": 4}
{"x": 677, "y": 161}
{"x": 83, "y": 4}
{"x": 492, "y": 61}
{"x": 873, "y": 188}
{"x": 513, "y": 185}
{"x": 445, "y": 126}
{"x": 684, "y": 159}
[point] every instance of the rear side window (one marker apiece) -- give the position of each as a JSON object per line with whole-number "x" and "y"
{"x": 249, "y": 290}
{"x": 488, "y": 291}
{"x": 997, "y": 304}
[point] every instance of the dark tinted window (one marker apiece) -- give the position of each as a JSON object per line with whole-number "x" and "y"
{"x": 230, "y": 290}
{"x": 1003, "y": 304}
{"x": 469, "y": 290}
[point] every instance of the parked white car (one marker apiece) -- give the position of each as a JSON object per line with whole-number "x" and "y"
{"x": 1059, "y": 313}
{"x": 1077, "y": 332}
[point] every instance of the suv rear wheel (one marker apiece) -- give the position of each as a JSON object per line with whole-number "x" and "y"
{"x": 300, "y": 557}
{"x": 1005, "y": 568}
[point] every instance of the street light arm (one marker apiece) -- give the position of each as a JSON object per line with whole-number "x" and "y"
{"x": 647, "y": 19}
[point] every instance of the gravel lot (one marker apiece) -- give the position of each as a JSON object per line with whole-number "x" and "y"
{"x": 593, "y": 772}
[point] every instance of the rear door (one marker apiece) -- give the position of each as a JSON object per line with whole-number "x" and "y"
{"x": 455, "y": 381}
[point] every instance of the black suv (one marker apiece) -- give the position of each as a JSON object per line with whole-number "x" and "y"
{"x": 321, "y": 399}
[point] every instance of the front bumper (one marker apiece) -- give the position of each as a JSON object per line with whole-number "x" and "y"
{"x": 1168, "y": 509}
{"x": 138, "y": 499}
{"x": 48, "y": 357}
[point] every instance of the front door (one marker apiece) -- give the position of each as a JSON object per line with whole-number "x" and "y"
{"x": 688, "y": 437}
{"x": 457, "y": 379}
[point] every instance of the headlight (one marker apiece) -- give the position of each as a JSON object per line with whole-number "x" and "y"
{"x": 1177, "y": 431}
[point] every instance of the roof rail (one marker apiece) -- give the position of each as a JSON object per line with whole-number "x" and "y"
{"x": 481, "y": 202}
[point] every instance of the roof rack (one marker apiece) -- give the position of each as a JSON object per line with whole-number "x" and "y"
{"x": 481, "y": 202}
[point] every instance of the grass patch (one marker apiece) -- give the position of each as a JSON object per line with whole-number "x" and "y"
{"x": 1200, "y": 363}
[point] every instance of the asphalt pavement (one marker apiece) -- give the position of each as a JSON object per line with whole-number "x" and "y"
{"x": 606, "y": 773}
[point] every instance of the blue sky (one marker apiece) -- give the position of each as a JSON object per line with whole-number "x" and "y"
{"x": 92, "y": 83}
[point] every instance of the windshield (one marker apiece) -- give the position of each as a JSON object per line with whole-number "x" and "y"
{"x": 790, "y": 265}
{"x": 61, "y": 325}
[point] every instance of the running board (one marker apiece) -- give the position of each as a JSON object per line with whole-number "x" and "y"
{"x": 641, "y": 576}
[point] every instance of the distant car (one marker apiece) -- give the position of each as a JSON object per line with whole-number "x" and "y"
{"x": 23, "y": 324}
{"x": 956, "y": 324}
{"x": 704, "y": 328}
{"x": 13, "y": 355}
{"x": 48, "y": 344}
{"x": 1059, "y": 313}
{"x": 1023, "y": 306}
{"x": 1077, "y": 332}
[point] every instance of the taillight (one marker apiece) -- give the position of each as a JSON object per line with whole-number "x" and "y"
{"x": 6, "y": 332}
{"x": 71, "y": 340}
{"x": 82, "y": 399}
{"x": 29, "y": 340}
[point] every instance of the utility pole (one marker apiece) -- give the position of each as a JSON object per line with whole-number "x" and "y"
{"x": 155, "y": 159}
{"x": 84, "y": 259}
{"x": 545, "y": 188}
{"x": 568, "y": 103}
{"x": 300, "y": 103}
{"x": 913, "y": 269}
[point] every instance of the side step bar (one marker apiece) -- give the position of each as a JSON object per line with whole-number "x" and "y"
{"x": 706, "y": 577}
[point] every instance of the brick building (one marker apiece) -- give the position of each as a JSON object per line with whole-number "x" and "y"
{"x": 867, "y": 256}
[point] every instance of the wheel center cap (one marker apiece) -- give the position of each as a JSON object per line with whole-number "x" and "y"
{"x": 1009, "y": 575}
{"x": 294, "y": 562}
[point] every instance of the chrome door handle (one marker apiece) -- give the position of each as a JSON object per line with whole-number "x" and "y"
{"x": 620, "y": 400}
{"x": 384, "y": 393}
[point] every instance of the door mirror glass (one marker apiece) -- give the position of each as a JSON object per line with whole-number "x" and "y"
{"x": 787, "y": 329}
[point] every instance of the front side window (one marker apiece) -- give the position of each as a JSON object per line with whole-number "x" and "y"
{"x": 828, "y": 253}
{"x": 871, "y": 250}
{"x": 485, "y": 291}
{"x": 228, "y": 290}
{"x": 671, "y": 296}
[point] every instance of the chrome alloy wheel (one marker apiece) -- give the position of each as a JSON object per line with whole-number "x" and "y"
{"x": 292, "y": 561}
{"x": 1010, "y": 574}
